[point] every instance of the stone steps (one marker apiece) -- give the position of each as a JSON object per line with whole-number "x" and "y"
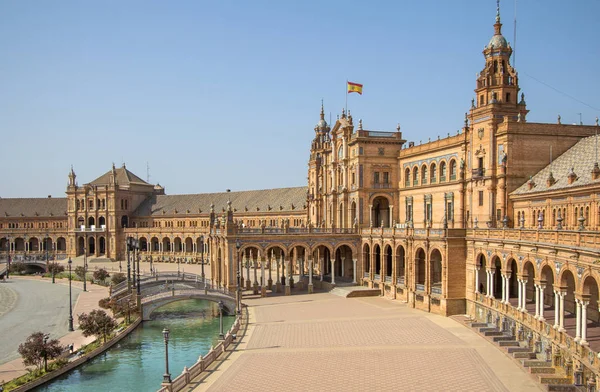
{"x": 551, "y": 377}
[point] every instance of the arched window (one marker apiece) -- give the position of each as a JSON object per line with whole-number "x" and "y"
{"x": 452, "y": 170}
{"x": 341, "y": 153}
{"x": 433, "y": 173}
{"x": 415, "y": 176}
{"x": 407, "y": 177}
{"x": 424, "y": 174}
{"x": 442, "y": 171}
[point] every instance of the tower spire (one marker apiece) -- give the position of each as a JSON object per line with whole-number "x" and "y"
{"x": 497, "y": 11}
{"x": 322, "y": 111}
{"x": 498, "y": 25}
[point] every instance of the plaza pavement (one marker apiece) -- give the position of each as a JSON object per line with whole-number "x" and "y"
{"x": 322, "y": 342}
{"x": 38, "y": 305}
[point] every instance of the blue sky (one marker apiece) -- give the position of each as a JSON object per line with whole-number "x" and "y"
{"x": 225, "y": 94}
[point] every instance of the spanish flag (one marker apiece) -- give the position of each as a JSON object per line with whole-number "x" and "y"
{"x": 354, "y": 88}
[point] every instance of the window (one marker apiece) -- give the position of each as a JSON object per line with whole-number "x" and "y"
{"x": 481, "y": 100}
{"x": 433, "y": 174}
{"x": 91, "y": 204}
{"x": 507, "y": 97}
{"x": 386, "y": 177}
{"x": 341, "y": 153}
{"x": 480, "y": 198}
{"x": 449, "y": 212}
{"x": 452, "y": 170}
{"x": 442, "y": 171}
{"x": 416, "y": 176}
{"x": 407, "y": 177}
{"x": 424, "y": 175}
{"x": 376, "y": 178}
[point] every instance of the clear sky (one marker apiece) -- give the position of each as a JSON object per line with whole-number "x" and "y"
{"x": 225, "y": 94}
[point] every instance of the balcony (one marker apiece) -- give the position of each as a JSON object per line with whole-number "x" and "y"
{"x": 478, "y": 173}
{"x": 420, "y": 287}
{"x": 382, "y": 185}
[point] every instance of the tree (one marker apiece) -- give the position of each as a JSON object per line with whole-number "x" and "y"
{"x": 37, "y": 349}
{"x": 55, "y": 268}
{"x": 97, "y": 323}
{"x": 79, "y": 271}
{"x": 118, "y": 278}
{"x": 101, "y": 275}
{"x": 17, "y": 267}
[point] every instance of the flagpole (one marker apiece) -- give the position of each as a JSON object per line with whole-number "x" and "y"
{"x": 346, "y": 96}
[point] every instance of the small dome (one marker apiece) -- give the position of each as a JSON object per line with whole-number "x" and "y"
{"x": 322, "y": 125}
{"x": 498, "y": 41}
{"x": 158, "y": 187}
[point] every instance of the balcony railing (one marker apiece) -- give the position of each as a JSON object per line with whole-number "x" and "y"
{"x": 436, "y": 290}
{"x": 382, "y": 185}
{"x": 478, "y": 172}
{"x": 420, "y": 287}
{"x": 400, "y": 280}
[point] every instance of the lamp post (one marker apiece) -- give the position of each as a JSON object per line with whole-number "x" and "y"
{"x": 167, "y": 375}
{"x": 133, "y": 260}
{"x": 48, "y": 260}
{"x": 137, "y": 256}
{"x": 202, "y": 258}
{"x": 238, "y": 245}
{"x": 221, "y": 334}
{"x": 70, "y": 301}
{"x": 8, "y": 259}
{"x": 45, "y": 353}
{"x": 128, "y": 243}
{"x": 85, "y": 250}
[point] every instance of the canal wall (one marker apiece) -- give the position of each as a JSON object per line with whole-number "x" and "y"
{"x": 79, "y": 361}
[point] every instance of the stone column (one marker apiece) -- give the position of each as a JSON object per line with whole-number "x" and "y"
{"x": 561, "y": 324}
{"x": 263, "y": 285}
{"x": 278, "y": 284}
{"x": 537, "y": 301}
{"x": 519, "y": 294}
{"x": 248, "y": 282}
{"x": 288, "y": 287}
{"x": 492, "y": 273}
{"x": 343, "y": 266}
{"x": 370, "y": 216}
{"x": 354, "y": 271}
{"x": 524, "y": 297}
{"x": 503, "y": 288}
{"x": 321, "y": 268}
{"x": 310, "y": 275}
{"x": 583, "y": 340}
{"x": 556, "y": 309}
{"x": 333, "y": 271}
{"x": 255, "y": 265}
{"x": 391, "y": 215}
{"x": 476, "y": 279}
{"x": 578, "y": 321}
{"x": 241, "y": 270}
{"x": 270, "y": 265}
{"x": 541, "y": 289}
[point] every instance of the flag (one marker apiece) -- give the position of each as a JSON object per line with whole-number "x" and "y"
{"x": 354, "y": 88}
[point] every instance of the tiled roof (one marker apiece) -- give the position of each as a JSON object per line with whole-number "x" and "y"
{"x": 124, "y": 177}
{"x": 29, "y": 207}
{"x": 581, "y": 158}
{"x": 279, "y": 200}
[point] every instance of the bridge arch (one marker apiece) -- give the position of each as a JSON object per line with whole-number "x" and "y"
{"x": 152, "y": 303}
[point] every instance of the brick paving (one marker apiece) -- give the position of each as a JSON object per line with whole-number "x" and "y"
{"x": 329, "y": 343}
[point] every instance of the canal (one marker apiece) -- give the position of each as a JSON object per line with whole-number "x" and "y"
{"x": 137, "y": 363}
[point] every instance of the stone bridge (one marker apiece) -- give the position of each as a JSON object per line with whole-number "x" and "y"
{"x": 159, "y": 279}
{"x": 152, "y": 302}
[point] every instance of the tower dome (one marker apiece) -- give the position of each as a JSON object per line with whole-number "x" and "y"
{"x": 322, "y": 124}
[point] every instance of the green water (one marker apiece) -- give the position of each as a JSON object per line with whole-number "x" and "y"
{"x": 137, "y": 363}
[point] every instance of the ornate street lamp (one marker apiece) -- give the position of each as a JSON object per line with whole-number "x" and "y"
{"x": 85, "y": 250}
{"x": 137, "y": 256}
{"x": 221, "y": 334}
{"x": 167, "y": 375}
{"x": 48, "y": 260}
{"x": 202, "y": 258}
{"x": 129, "y": 244}
{"x": 45, "y": 353}
{"x": 238, "y": 245}
{"x": 8, "y": 260}
{"x": 70, "y": 301}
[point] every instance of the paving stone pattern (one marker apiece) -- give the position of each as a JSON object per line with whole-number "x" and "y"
{"x": 327, "y": 343}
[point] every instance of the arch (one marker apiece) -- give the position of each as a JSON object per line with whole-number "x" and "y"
{"x": 46, "y": 244}
{"x": 91, "y": 245}
{"x": 452, "y": 169}
{"x": 177, "y": 247}
{"x": 124, "y": 221}
{"x": 400, "y": 265}
{"x": 567, "y": 281}
{"x": 166, "y": 244}
{"x": 189, "y": 245}
{"x": 432, "y": 173}
{"x": 420, "y": 269}
{"x": 513, "y": 279}
{"x": 91, "y": 221}
{"x": 442, "y": 171}
{"x": 547, "y": 278}
{"x": 34, "y": 244}
{"x": 143, "y": 244}
{"x": 387, "y": 254}
{"x": 61, "y": 244}
{"x": 80, "y": 221}
{"x": 102, "y": 246}
{"x": 496, "y": 266}
{"x": 344, "y": 261}
{"x": 19, "y": 244}
{"x": 407, "y": 177}
{"x": 381, "y": 211}
{"x": 529, "y": 277}
{"x": 353, "y": 219}
{"x": 424, "y": 174}
{"x": 481, "y": 264}
{"x": 80, "y": 246}
{"x": 101, "y": 221}
{"x": 154, "y": 244}
{"x": 415, "y": 175}
{"x": 590, "y": 291}
{"x": 366, "y": 258}
{"x": 435, "y": 271}
{"x": 4, "y": 244}
{"x": 377, "y": 259}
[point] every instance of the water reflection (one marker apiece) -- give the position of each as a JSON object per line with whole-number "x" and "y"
{"x": 137, "y": 363}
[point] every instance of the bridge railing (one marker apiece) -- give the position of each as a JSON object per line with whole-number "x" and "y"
{"x": 181, "y": 292}
{"x": 204, "y": 362}
{"x": 158, "y": 277}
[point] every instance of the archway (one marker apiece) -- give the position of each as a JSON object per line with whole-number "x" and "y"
{"x": 513, "y": 282}
{"x": 189, "y": 245}
{"x": 102, "y": 245}
{"x": 482, "y": 272}
{"x": 420, "y": 269}
{"x": 91, "y": 221}
{"x": 547, "y": 277}
{"x": 387, "y": 254}
{"x": 400, "y": 265}
{"x": 344, "y": 262}
{"x": 529, "y": 276}
{"x": 154, "y": 244}
{"x": 80, "y": 246}
{"x": 34, "y": 244}
{"x": 567, "y": 281}
{"x": 61, "y": 244}
{"x": 92, "y": 246}
{"x": 101, "y": 221}
{"x": 497, "y": 268}
{"x": 124, "y": 221}
{"x": 19, "y": 244}
{"x": 381, "y": 212}
{"x": 435, "y": 271}
{"x": 590, "y": 292}
{"x": 166, "y": 244}
{"x": 366, "y": 259}
{"x": 177, "y": 245}
{"x": 377, "y": 254}
{"x": 143, "y": 244}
